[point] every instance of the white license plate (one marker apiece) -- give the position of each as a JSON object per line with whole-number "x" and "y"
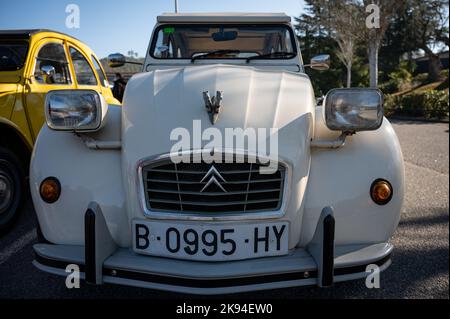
{"x": 209, "y": 241}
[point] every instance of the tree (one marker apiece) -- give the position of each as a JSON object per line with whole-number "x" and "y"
{"x": 346, "y": 39}
{"x": 315, "y": 38}
{"x": 338, "y": 20}
{"x": 399, "y": 42}
{"x": 380, "y": 13}
{"x": 429, "y": 22}
{"x": 132, "y": 54}
{"x": 342, "y": 18}
{"x": 351, "y": 21}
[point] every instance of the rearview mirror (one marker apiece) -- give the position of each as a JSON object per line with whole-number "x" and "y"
{"x": 320, "y": 62}
{"x": 116, "y": 59}
{"x": 224, "y": 36}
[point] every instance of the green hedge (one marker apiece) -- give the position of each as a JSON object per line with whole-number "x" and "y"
{"x": 429, "y": 104}
{"x": 399, "y": 80}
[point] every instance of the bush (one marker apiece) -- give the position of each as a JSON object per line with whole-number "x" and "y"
{"x": 421, "y": 78}
{"x": 390, "y": 87}
{"x": 391, "y": 104}
{"x": 399, "y": 80}
{"x": 429, "y": 104}
{"x": 443, "y": 85}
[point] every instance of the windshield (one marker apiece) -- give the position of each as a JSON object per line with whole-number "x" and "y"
{"x": 223, "y": 42}
{"x": 12, "y": 55}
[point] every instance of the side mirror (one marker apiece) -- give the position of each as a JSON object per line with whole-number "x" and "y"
{"x": 48, "y": 73}
{"x": 48, "y": 70}
{"x": 320, "y": 62}
{"x": 116, "y": 59}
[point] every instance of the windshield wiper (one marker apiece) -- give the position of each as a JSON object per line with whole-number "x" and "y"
{"x": 279, "y": 54}
{"x": 204, "y": 55}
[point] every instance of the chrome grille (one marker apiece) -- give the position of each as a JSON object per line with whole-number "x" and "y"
{"x": 188, "y": 188}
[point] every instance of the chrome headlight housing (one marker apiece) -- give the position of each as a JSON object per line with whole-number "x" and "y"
{"x": 353, "y": 109}
{"x": 75, "y": 110}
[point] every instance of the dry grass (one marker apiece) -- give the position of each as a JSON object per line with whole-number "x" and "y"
{"x": 422, "y": 88}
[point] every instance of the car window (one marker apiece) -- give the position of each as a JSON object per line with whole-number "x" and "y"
{"x": 83, "y": 71}
{"x": 224, "y": 41}
{"x": 12, "y": 55}
{"x": 100, "y": 73}
{"x": 52, "y": 66}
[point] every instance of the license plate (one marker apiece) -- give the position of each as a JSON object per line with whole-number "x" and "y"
{"x": 210, "y": 242}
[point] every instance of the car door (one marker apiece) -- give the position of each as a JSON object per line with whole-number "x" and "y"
{"x": 88, "y": 72}
{"x": 84, "y": 73}
{"x": 51, "y": 71}
{"x": 104, "y": 84}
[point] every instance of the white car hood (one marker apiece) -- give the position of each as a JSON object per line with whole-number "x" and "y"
{"x": 157, "y": 102}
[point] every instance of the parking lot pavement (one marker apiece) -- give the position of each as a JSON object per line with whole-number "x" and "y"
{"x": 420, "y": 261}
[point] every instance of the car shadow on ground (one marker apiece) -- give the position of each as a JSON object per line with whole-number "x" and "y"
{"x": 413, "y": 265}
{"x": 417, "y": 121}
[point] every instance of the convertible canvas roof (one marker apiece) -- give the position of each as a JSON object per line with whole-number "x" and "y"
{"x": 25, "y": 33}
{"x": 224, "y": 17}
{"x": 18, "y": 34}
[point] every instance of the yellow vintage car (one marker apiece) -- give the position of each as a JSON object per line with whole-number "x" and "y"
{"x": 33, "y": 62}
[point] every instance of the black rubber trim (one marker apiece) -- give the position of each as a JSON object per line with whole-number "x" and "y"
{"x": 185, "y": 282}
{"x": 207, "y": 283}
{"x": 328, "y": 251}
{"x": 360, "y": 268}
{"x": 89, "y": 242}
{"x": 60, "y": 264}
{"x": 210, "y": 283}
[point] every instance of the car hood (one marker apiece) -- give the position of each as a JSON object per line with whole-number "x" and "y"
{"x": 157, "y": 102}
{"x": 163, "y": 103}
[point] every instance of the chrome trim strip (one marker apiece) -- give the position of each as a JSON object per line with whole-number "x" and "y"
{"x": 167, "y": 215}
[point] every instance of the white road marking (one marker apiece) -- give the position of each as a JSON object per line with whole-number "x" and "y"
{"x": 18, "y": 245}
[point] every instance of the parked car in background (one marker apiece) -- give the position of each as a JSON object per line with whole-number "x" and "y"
{"x": 116, "y": 195}
{"x": 33, "y": 62}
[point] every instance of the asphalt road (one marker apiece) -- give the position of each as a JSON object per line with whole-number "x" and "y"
{"x": 420, "y": 261}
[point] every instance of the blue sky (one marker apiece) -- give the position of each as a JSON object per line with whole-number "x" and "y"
{"x": 119, "y": 26}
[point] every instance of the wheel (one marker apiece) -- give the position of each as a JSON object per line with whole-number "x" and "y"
{"x": 12, "y": 188}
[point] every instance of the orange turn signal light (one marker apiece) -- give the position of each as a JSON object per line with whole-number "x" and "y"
{"x": 50, "y": 190}
{"x": 381, "y": 191}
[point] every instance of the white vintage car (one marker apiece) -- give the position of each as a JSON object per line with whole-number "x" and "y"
{"x": 179, "y": 190}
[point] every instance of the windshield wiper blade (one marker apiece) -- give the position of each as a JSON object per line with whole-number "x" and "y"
{"x": 272, "y": 54}
{"x": 204, "y": 55}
